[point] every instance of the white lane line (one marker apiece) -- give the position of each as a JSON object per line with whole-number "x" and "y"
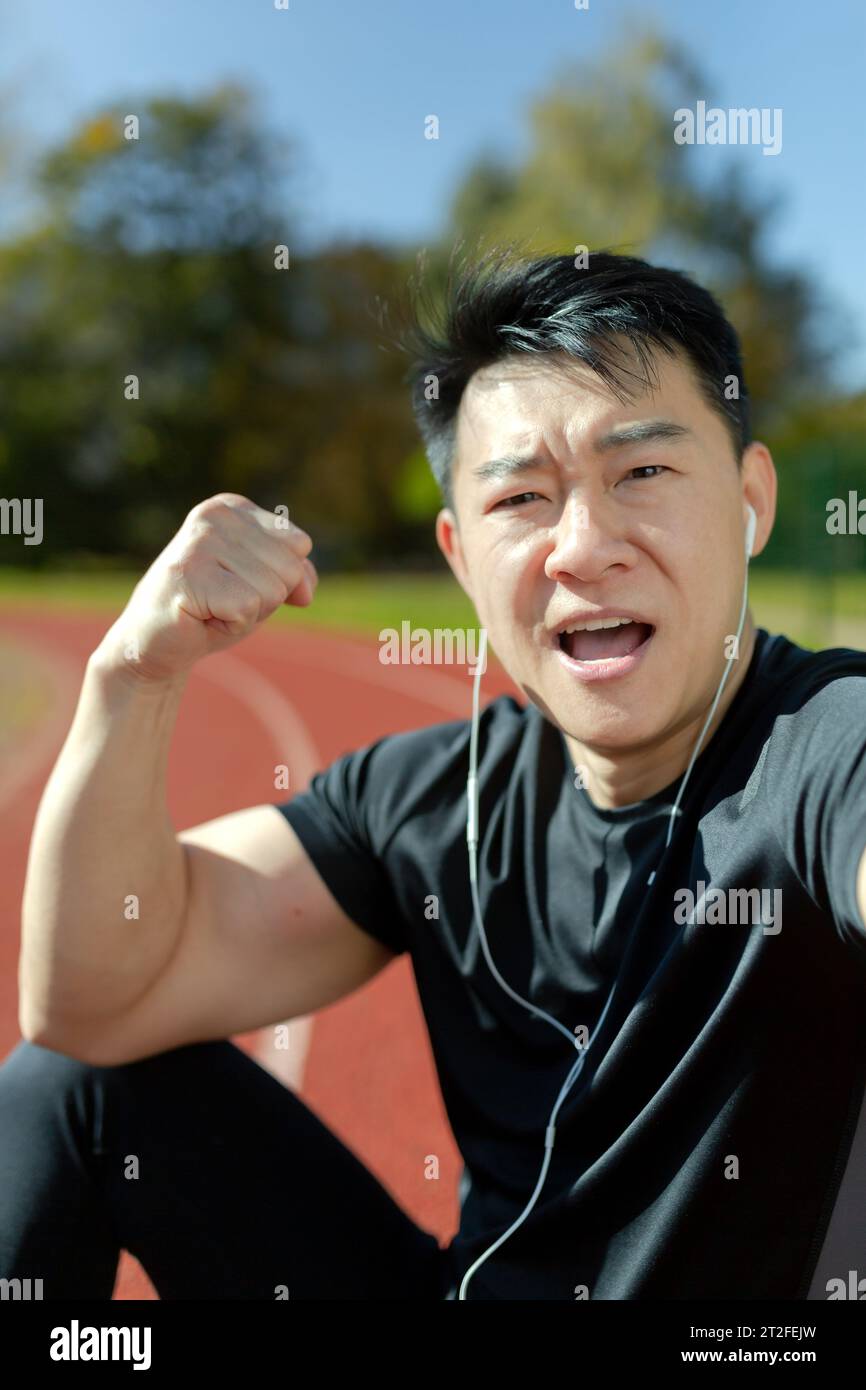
{"x": 277, "y": 715}
{"x": 290, "y": 736}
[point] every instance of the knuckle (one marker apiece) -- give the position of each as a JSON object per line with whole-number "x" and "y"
{"x": 221, "y": 504}
{"x": 272, "y": 592}
{"x": 245, "y": 603}
{"x": 273, "y": 587}
{"x": 234, "y": 499}
{"x": 203, "y": 509}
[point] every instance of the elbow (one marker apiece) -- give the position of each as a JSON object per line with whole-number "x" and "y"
{"x": 35, "y": 1028}
{"x": 31, "y": 1024}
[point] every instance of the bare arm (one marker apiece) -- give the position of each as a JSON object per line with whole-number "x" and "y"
{"x": 134, "y": 938}
{"x": 261, "y": 940}
{"x": 102, "y": 842}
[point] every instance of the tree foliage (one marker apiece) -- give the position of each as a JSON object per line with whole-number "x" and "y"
{"x": 155, "y": 258}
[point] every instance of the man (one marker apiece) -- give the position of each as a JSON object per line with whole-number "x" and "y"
{"x": 669, "y": 832}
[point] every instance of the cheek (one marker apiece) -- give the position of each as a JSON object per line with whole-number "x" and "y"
{"x": 711, "y": 581}
{"x": 706, "y": 609}
{"x": 693, "y": 578}
{"x": 500, "y": 599}
{"x": 501, "y": 561}
{"x": 504, "y": 603}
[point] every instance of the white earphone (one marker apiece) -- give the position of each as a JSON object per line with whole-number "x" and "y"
{"x": 472, "y": 838}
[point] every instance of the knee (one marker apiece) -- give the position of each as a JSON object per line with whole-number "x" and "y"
{"x": 45, "y": 1096}
{"x": 32, "y": 1059}
{"x": 30, "y": 1068}
{"x": 34, "y": 1078}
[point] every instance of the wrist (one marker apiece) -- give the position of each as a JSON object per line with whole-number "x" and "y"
{"x": 112, "y": 670}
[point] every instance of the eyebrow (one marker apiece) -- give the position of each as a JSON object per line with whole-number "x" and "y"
{"x": 642, "y": 432}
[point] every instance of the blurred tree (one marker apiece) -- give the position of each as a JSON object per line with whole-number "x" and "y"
{"x": 603, "y": 170}
{"x": 356, "y": 464}
{"x": 156, "y": 260}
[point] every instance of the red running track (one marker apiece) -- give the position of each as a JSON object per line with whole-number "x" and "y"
{"x": 282, "y": 697}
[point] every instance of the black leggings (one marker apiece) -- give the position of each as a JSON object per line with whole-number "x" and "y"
{"x": 216, "y": 1177}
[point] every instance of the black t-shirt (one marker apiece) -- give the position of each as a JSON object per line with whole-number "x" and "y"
{"x": 713, "y": 1145}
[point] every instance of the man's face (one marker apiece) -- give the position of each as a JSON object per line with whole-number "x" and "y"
{"x": 651, "y": 529}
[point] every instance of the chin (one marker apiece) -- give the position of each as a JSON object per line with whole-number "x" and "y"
{"x": 597, "y": 720}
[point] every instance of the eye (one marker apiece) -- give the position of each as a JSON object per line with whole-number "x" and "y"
{"x": 646, "y": 468}
{"x": 512, "y": 501}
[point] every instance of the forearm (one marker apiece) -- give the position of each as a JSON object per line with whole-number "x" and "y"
{"x": 105, "y": 892}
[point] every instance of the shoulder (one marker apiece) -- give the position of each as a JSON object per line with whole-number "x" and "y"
{"x": 404, "y": 769}
{"x": 809, "y": 686}
{"x": 814, "y": 770}
{"x": 400, "y": 780}
{"x": 809, "y": 714}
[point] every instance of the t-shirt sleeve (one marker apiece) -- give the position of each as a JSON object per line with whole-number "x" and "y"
{"x": 819, "y": 770}
{"x": 330, "y": 819}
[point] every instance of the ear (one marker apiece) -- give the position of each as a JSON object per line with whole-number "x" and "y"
{"x": 760, "y": 487}
{"x": 448, "y": 540}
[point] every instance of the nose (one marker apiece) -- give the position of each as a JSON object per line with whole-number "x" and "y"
{"x": 585, "y": 545}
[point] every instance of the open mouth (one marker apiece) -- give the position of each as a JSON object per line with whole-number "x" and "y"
{"x": 607, "y": 643}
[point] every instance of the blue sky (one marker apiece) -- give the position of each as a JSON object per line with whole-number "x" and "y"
{"x": 351, "y": 81}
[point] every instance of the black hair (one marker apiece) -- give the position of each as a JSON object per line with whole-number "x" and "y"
{"x": 497, "y": 304}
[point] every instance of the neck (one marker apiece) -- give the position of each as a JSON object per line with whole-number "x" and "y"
{"x": 622, "y": 777}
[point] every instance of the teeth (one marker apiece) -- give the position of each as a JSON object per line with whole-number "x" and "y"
{"x": 598, "y": 623}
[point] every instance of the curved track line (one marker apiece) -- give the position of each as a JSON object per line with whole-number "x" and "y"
{"x": 277, "y": 715}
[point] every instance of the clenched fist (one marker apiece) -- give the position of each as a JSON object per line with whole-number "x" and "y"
{"x": 228, "y": 568}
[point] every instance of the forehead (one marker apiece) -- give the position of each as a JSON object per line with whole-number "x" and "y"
{"x": 527, "y": 399}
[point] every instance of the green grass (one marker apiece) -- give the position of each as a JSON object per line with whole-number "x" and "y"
{"x": 352, "y": 603}
{"x": 796, "y": 603}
